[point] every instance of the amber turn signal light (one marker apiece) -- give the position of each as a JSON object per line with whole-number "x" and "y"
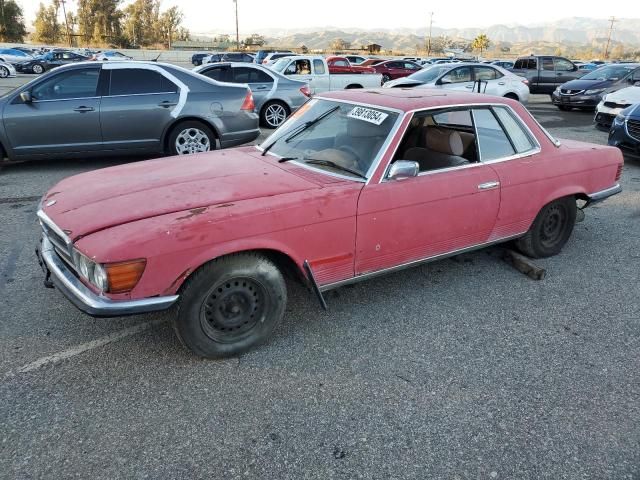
{"x": 123, "y": 277}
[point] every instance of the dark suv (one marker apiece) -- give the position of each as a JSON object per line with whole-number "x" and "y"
{"x": 546, "y": 72}
{"x": 262, "y": 54}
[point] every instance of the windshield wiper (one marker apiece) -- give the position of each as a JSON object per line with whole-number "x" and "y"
{"x": 309, "y": 123}
{"x": 287, "y": 159}
{"x": 329, "y": 163}
{"x": 301, "y": 128}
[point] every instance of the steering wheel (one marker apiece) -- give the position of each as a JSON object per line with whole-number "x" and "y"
{"x": 351, "y": 151}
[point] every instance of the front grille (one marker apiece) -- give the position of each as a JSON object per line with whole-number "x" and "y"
{"x": 616, "y": 105}
{"x": 61, "y": 245}
{"x": 566, "y": 91}
{"x": 633, "y": 129}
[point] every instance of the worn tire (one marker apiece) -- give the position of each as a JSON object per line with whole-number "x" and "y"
{"x": 181, "y": 127}
{"x": 550, "y": 230}
{"x": 230, "y": 305}
{"x": 273, "y": 112}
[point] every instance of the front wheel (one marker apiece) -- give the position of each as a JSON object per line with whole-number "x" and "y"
{"x": 231, "y": 305}
{"x": 550, "y": 230}
{"x": 273, "y": 114}
{"x": 4, "y": 72}
{"x": 191, "y": 137}
{"x": 385, "y": 78}
{"x": 37, "y": 69}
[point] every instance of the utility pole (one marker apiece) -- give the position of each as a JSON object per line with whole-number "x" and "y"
{"x": 606, "y": 49}
{"x": 430, "y": 28}
{"x": 66, "y": 21}
{"x": 237, "y": 33}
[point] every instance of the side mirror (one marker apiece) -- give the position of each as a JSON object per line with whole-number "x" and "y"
{"x": 26, "y": 97}
{"x": 443, "y": 81}
{"x": 401, "y": 169}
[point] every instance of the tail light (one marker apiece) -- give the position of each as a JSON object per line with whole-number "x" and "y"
{"x": 248, "y": 103}
{"x": 305, "y": 91}
{"x": 619, "y": 172}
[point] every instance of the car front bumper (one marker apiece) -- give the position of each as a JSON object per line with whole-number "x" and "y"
{"x": 64, "y": 279}
{"x": 619, "y": 137}
{"x": 578, "y": 101}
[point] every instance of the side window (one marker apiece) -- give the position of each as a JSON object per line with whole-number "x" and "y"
{"x": 73, "y": 84}
{"x": 440, "y": 140}
{"x": 547, "y": 64}
{"x": 519, "y": 137}
{"x": 67, "y": 56}
{"x": 520, "y": 64}
{"x": 458, "y": 75}
{"x": 411, "y": 66}
{"x": 218, "y": 74}
{"x": 532, "y": 64}
{"x": 242, "y": 75}
{"x": 487, "y": 73}
{"x": 138, "y": 81}
{"x": 340, "y": 63}
{"x": 492, "y": 139}
{"x": 318, "y": 67}
{"x": 258, "y": 76}
{"x": 563, "y": 65}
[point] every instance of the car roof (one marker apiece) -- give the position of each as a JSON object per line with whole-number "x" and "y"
{"x": 408, "y": 99}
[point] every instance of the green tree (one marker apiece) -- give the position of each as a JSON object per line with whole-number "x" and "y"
{"x": 481, "y": 42}
{"x": 99, "y": 21}
{"x": 140, "y": 22}
{"x": 339, "y": 44}
{"x": 12, "y": 28}
{"x": 169, "y": 23}
{"x": 47, "y": 28}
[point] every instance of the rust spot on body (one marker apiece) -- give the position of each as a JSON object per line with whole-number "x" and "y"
{"x": 193, "y": 212}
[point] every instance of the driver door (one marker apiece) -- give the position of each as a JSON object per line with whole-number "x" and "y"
{"x": 63, "y": 118}
{"x": 442, "y": 210}
{"x": 457, "y": 79}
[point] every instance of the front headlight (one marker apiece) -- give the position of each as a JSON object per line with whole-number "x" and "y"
{"x": 99, "y": 277}
{"x": 595, "y": 91}
{"x": 557, "y": 90}
{"x": 92, "y": 272}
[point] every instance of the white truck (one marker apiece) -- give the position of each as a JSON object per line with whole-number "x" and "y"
{"x": 314, "y": 70}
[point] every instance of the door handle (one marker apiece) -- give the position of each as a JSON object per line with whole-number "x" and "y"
{"x": 167, "y": 104}
{"x": 261, "y": 88}
{"x": 83, "y": 109}
{"x": 488, "y": 185}
{"x": 501, "y": 83}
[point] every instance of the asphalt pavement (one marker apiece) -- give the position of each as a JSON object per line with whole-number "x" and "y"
{"x": 460, "y": 369}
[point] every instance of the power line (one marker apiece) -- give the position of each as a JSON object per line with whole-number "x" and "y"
{"x": 606, "y": 49}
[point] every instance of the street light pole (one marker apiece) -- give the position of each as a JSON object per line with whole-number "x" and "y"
{"x": 237, "y": 32}
{"x": 430, "y": 28}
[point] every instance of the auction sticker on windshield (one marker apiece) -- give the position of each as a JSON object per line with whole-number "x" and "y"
{"x": 368, "y": 115}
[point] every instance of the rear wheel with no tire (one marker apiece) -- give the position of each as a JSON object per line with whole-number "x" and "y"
{"x": 231, "y": 305}
{"x": 550, "y": 230}
{"x": 191, "y": 137}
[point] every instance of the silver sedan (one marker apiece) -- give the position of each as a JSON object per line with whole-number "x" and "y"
{"x": 276, "y": 96}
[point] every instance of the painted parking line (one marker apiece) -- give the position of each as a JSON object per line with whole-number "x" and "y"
{"x": 85, "y": 347}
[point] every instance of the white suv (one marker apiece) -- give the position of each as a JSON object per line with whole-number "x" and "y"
{"x": 467, "y": 77}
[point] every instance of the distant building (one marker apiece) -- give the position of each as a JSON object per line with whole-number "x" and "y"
{"x": 373, "y": 48}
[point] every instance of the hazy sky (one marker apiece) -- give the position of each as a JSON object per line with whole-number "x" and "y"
{"x": 219, "y": 15}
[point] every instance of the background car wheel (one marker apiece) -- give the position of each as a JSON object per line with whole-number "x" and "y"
{"x": 37, "y": 69}
{"x": 550, "y": 230}
{"x": 512, "y": 96}
{"x": 4, "y": 72}
{"x": 191, "y": 137}
{"x": 230, "y": 305}
{"x": 564, "y": 108}
{"x": 385, "y": 78}
{"x": 274, "y": 114}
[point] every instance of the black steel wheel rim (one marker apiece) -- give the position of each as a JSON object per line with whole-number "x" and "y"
{"x": 553, "y": 226}
{"x": 233, "y": 308}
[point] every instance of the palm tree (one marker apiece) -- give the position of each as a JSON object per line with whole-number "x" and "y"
{"x": 481, "y": 42}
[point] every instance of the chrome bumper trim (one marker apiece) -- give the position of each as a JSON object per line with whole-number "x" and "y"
{"x": 603, "y": 194}
{"x": 88, "y": 301}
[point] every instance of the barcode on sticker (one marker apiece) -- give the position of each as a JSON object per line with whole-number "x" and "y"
{"x": 368, "y": 115}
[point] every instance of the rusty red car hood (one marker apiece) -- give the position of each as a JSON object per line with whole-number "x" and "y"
{"x": 96, "y": 200}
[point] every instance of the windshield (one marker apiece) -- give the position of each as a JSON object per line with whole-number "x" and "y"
{"x": 608, "y": 73}
{"x": 429, "y": 74}
{"x": 280, "y": 64}
{"x": 333, "y": 136}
